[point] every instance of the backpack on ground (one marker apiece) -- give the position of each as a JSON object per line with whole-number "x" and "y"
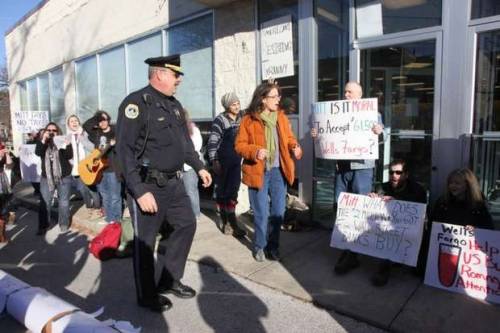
{"x": 104, "y": 245}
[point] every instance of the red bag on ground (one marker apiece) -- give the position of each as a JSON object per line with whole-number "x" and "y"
{"x": 104, "y": 245}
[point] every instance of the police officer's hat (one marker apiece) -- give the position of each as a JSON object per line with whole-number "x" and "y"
{"x": 173, "y": 62}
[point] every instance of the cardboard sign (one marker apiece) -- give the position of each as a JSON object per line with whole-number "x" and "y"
{"x": 345, "y": 129}
{"x": 29, "y": 121}
{"x": 464, "y": 260}
{"x": 31, "y": 164}
{"x": 384, "y": 229}
{"x": 276, "y": 41}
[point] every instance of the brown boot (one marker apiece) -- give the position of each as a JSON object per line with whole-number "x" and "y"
{"x": 237, "y": 231}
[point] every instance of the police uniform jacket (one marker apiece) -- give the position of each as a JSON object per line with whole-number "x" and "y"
{"x": 147, "y": 113}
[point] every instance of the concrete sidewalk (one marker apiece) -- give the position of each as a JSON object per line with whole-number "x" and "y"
{"x": 306, "y": 272}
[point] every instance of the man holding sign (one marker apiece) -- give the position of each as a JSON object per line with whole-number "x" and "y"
{"x": 353, "y": 175}
{"x": 399, "y": 187}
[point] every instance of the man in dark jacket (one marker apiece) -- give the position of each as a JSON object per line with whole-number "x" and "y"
{"x": 399, "y": 187}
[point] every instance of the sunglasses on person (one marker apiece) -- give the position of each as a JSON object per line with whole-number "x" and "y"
{"x": 397, "y": 172}
{"x": 53, "y": 130}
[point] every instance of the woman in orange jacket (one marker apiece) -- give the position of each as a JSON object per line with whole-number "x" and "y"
{"x": 266, "y": 142}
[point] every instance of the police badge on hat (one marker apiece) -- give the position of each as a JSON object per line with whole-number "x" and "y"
{"x": 131, "y": 111}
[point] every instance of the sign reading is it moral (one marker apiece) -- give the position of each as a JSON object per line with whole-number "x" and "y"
{"x": 345, "y": 129}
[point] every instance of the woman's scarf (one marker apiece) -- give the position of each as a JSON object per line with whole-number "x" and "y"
{"x": 270, "y": 120}
{"x": 78, "y": 148}
{"x": 52, "y": 166}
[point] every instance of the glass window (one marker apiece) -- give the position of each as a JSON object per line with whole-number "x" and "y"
{"x": 486, "y": 144}
{"x": 32, "y": 95}
{"x": 272, "y": 9}
{"x": 138, "y": 51}
{"x": 23, "y": 93}
{"x": 57, "y": 97}
{"x": 402, "y": 78}
{"x": 375, "y": 18}
{"x": 86, "y": 87}
{"x": 112, "y": 80}
{"x": 485, "y": 8}
{"x": 193, "y": 40}
{"x": 43, "y": 92}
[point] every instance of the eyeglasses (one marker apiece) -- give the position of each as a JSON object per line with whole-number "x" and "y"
{"x": 274, "y": 96}
{"x": 397, "y": 172}
{"x": 176, "y": 74}
{"x": 51, "y": 130}
{"x": 104, "y": 119}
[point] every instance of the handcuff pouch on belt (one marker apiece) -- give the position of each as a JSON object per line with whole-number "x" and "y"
{"x": 154, "y": 176}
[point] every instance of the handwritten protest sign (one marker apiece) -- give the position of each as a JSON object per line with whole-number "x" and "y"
{"x": 276, "y": 41}
{"x": 30, "y": 121}
{"x": 464, "y": 260}
{"x": 384, "y": 229}
{"x": 345, "y": 129}
{"x": 31, "y": 165}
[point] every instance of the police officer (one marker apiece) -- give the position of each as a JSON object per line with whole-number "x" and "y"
{"x": 152, "y": 145}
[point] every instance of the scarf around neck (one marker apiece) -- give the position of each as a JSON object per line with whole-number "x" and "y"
{"x": 52, "y": 167}
{"x": 270, "y": 120}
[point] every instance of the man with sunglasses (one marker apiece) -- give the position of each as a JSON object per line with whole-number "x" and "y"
{"x": 399, "y": 187}
{"x": 153, "y": 144}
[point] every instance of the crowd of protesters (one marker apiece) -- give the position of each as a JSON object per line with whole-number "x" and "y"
{"x": 256, "y": 147}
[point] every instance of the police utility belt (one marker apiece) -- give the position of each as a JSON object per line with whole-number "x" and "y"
{"x": 160, "y": 178}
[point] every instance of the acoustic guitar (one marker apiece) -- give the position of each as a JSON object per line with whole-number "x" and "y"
{"x": 92, "y": 166}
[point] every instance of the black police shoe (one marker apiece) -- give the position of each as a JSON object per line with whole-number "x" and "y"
{"x": 178, "y": 289}
{"x": 158, "y": 304}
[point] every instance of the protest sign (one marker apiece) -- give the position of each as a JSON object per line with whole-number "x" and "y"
{"x": 31, "y": 165}
{"x": 276, "y": 42}
{"x": 464, "y": 260}
{"x": 345, "y": 129}
{"x": 30, "y": 121}
{"x": 60, "y": 141}
{"x": 385, "y": 229}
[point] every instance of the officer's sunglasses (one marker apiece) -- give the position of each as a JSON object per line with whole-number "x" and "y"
{"x": 176, "y": 74}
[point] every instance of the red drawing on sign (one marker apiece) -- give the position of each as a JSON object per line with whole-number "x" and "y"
{"x": 449, "y": 255}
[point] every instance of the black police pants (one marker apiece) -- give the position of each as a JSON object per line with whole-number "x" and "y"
{"x": 175, "y": 214}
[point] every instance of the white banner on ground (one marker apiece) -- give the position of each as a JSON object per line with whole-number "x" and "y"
{"x": 30, "y": 121}
{"x": 384, "y": 229}
{"x": 464, "y": 260}
{"x": 276, "y": 44}
{"x": 345, "y": 129}
{"x": 31, "y": 165}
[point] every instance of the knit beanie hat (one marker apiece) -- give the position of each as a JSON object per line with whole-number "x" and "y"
{"x": 229, "y": 99}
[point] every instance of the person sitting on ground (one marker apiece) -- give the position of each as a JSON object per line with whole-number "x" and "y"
{"x": 56, "y": 175}
{"x": 463, "y": 202}
{"x": 399, "y": 187}
{"x": 226, "y": 163}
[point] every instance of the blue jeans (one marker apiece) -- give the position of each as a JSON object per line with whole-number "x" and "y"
{"x": 353, "y": 181}
{"x": 90, "y": 198}
{"x": 190, "y": 180}
{"x": 111, "y": 192}
{"x": 63, "y": 193}
{"x": 267, "y": 228}
{"x": 227, "y": 184}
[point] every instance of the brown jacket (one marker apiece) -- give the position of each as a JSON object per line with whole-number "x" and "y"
{"x": 251, "y": 138}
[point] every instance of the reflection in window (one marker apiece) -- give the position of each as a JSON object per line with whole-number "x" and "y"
{"x": 43, "y": 90}
{"x": 389, "y": 16}
{"x": 86, "y": 87}
{"x": 57, "y": 97}
{"x": 402, "y": 78}
{"x": 270, "y": 10}
{"x": 486, "y": 146}
{"x": 485, "y": 8}
{"x": 138, "y": 51}
{"x": 193, "y": 40}
{"x": 112, "y": 80}
{"x": 23, "y": 93}
{"x": 32, "y": 95}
